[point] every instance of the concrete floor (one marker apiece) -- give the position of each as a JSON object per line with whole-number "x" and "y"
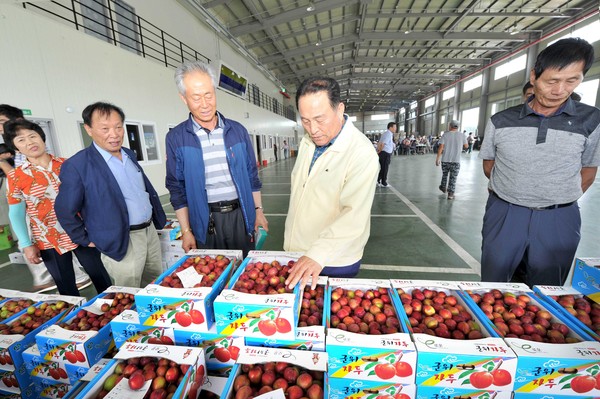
{"x": 416, "y": 233}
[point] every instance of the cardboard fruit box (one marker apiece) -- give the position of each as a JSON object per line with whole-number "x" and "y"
{"x": 574, "y": 306}
{"x": 220, "y": 351}
{"x": 298, "y": 373}
{"x": 365, "y": 337}
{"x": 455, "y": 348}
{"x": 545, "y": 367}
{"x": 586, "y": 277}
{"x": 12, "y": 345}
{"x": 310, "y": 332}
{"x": 435, "y": 392}
{"x": 186, "y": 305}
{"x": 84, "y": 346}
{"x": 184, "y": 370}
{"x": 39, "y": 368}
{"x": 171, "y": 231}
{"x": 344, "y": 388}
{"x": 248, "y": 314}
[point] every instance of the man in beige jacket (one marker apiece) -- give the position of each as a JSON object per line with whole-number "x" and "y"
{"x": 333, "y": 185}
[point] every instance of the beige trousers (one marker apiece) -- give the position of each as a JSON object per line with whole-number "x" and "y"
{"x": 142, "y": 262}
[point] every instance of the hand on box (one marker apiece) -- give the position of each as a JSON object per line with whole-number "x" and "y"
{"x": 302, "y": 271}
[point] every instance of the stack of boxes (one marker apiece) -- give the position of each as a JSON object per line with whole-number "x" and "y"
{"x": 238, "y": 331}
{"x": 170, "y": 243}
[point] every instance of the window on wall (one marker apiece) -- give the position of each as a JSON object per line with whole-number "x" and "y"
{"x": 510, "y": 67}
{"x": 429, "y": 102}
{"x": 588, "y": 91}
{"x": 448, "y": 93}
{"x": 590, "y": 32}
{"x": 95, "y": 19}
{"x": 413, "y": 105}
{"x": 111, "y": 20}
{"x": 472, "y": 83}
{"x": 127, "y": 27}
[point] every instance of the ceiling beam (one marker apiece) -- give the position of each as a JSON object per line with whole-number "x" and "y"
{"x": 487, "y": 36}
{"x": 310, "y": 48}
{"x": 213, "y": 3}
{"x": 443, "y": 47}
{"x": 288, "y": 16}
{"x": 469, "y": 15}
{"x": 305, "y": 31}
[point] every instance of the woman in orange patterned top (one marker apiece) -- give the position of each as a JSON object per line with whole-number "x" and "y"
{"x": 32, "y": 190}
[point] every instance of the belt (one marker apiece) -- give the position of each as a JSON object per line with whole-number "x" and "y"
{"x": 224, "y": 206}
{"x": 536, "y": 208}
{"x": 140, "y": 226}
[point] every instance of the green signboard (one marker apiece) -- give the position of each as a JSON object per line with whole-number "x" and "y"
{"x": 26, "y": 112}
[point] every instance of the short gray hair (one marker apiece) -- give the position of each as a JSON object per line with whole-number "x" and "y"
{"x": 193, "y": 66}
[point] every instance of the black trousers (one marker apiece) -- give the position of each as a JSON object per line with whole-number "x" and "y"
{"x": 230, "y": 233}
{"x": 60, "y": 268}
{"x": 384, "y": 163}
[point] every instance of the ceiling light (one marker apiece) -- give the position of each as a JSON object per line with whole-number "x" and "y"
{"x": 322, "y": 64}
{"x": 310, "y": 7}
{"x": 318, "y": 43}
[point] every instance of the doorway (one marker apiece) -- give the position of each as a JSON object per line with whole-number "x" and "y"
{"x": 258, "y": 150}
{"x": 47, "y": 126}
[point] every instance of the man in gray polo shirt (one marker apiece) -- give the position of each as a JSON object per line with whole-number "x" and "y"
{"x": 450, "y": 147}
{"x": 540, "y": 158}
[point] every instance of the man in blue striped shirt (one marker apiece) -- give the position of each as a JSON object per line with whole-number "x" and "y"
{"x": 211, "y": 170}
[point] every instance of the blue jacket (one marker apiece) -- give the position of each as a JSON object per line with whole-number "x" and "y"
{"x": 90, "y": 205}
{"x": 186, "y": 180}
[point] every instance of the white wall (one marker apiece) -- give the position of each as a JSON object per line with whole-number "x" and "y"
{"x": 47, "y": 66}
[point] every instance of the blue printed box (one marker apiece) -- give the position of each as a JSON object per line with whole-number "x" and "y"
{"x": 13, "y": 345}
{"x": 378, "y": 355}
{"x": 184, "y": 304}
{"x": 221, "y": 351}
{"x": 188, "y": 387}
{"x": 586, "y": 277}
{"x": 565, "y": 299}
{"x": 255, "y": 315}
{"x": 344, "y": 388}
{"x": 82, "y": 348}
{"x": 308, "y": 337}
{"x": 435, "y": 392}
{"x": 546, "y": 368}
{"x": 448, "y": 362}
{"x": 315, "y": 362}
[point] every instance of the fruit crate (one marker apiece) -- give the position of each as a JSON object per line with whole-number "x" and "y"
{"x": 542, "y": 367}
{"x": 344, "y": 388}
{"x": 298, "y": 373}
{"x": 365, "y": 337}
{"x": 455, "y": 348}
{"x": 310, "y": 332}
{"x": 182, "y": 297}
{"x": 147, "y": 369}
{"x": 13, "y": 344}
{"x": 14, "y": 306}
{"x": 84, "y": 337}
{"x": 220, "y": 351}
{"x": 260, "y": 314}
{"x": 40, "y": 369}
{"x": 586, "y": 277}
{"x": 426, "y": 392}
{"x": 565, "y": 299}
